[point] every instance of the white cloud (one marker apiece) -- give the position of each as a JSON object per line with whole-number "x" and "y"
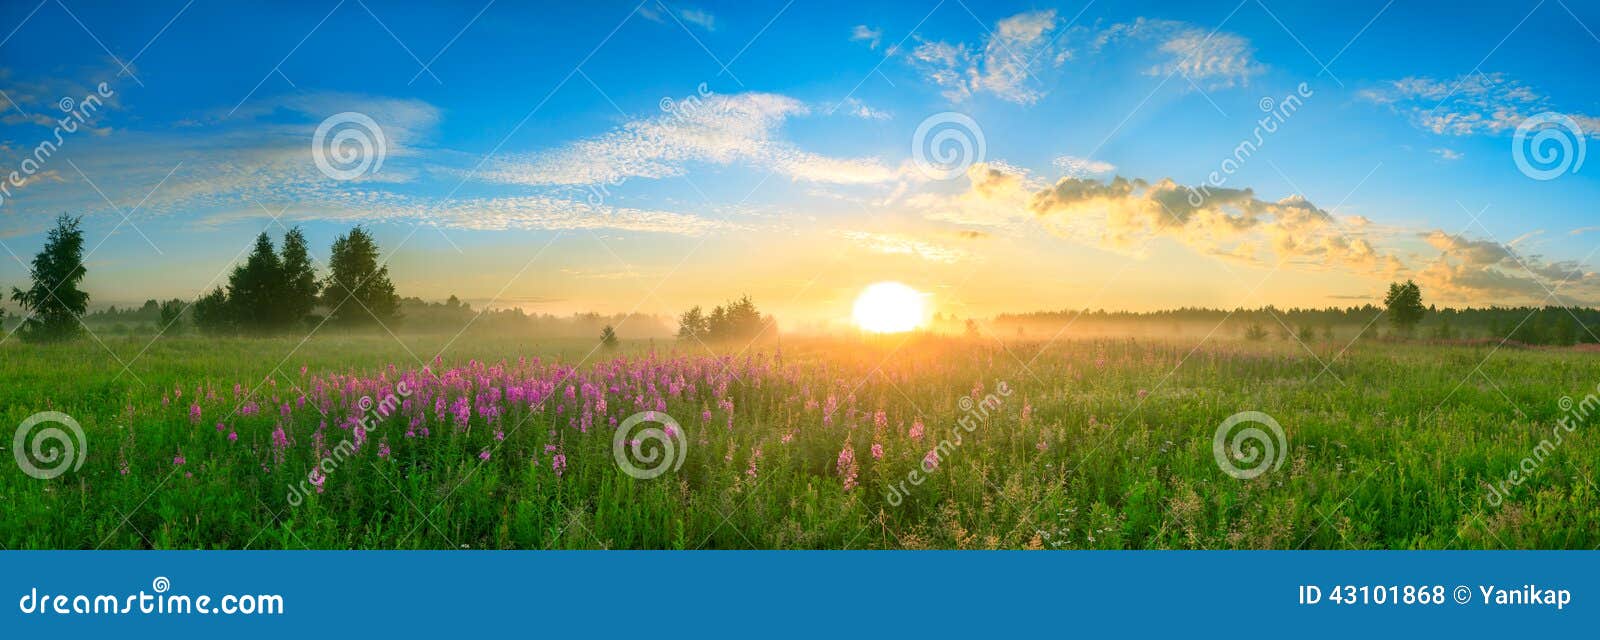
{"x": 1482, "y": 270}
{"x": 863, "y": 33}
{"x": 1123, "y": 214}
{"x": 1447, "y": 154}
{"x": 1481, "y": 103}
{"x": 1005, "y": 65}
{"x": 1002, "y": 66}
{"x": 1220, "y": 60}
{"x": 717, "y": 130}
{"x": 259, "y": 162}
{"x": 898, "y": 244}
{"x": 864, "y": 111}
{"x": 699, "y": 18}
{"x": 1082, "y": 167}
{"x": 657, "y": 11}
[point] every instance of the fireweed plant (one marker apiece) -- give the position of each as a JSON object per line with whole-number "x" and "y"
{"x": 505, "y": 443}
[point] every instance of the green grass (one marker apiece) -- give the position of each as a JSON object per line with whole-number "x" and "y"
{"x": 1392, "y": 448}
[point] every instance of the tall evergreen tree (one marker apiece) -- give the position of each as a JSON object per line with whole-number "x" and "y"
{"x": 357, "y": 290}
{"x": 256, "y": 291}
{"x": 171, "y": 318}
{"x": 213, "y": 314}
{"x": 55, "y": 302}
{"x": 692, "y": 324}
{"x": 299, "y": 278}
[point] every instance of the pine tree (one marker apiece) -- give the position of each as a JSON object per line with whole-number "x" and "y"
{"x": 256, "y": 291}
{"x": 743, "y": 319}
{"x": 299, "y": 279}
{"x": 692, "y": 324}
{"x": 608, "y": 337}
{"x": 717, "y": 324}
{"x": 357, "y": 290}
{"x": 1444, "y": 331}
{"x": 213, "y": 314}
{"x": 171, "y": 317}
{"x": 54, "y": 302}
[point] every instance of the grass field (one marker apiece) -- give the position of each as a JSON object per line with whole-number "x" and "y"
{"x": 1093, "y": 444}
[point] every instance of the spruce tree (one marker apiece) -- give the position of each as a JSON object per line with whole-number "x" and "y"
{"x": 299, "y": 279}
{"x": 256, "y": 291}
{"x": 54, "y": 302}
{"x": 357, "y": 290}
{"x": 212, "y": 313}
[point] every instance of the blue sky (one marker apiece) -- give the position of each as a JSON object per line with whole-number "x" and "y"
{"x": 621, "y": 156}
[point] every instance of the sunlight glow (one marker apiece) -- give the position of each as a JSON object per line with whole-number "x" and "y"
{"x": 889, "y": 307}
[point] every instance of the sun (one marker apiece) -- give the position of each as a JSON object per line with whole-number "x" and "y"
{"x": 889, "y": 307}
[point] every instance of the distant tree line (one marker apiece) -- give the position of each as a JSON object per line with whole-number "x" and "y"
{"x": 737, "y": 320}
{"x": 1550, "y": 325}
{"x": 275, "y": 291}
{"x": 1403, "y": 306}
{"x": 270, "y": 292}
{"x": 453, "y": 314}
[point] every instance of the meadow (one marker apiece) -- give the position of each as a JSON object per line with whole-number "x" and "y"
{"x": 503, "y": 442}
